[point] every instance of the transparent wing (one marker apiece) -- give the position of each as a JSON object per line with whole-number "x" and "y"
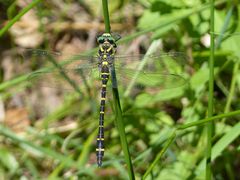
{"x": 63, "y": 71}
{"x": 144, "y": 79}
{"x": 158, "y": 63}
{"x": 66, "y": 61}
{"x": 73, "y": 80}
{"x": 158, "y": 71}
{"x": 161, "y": 71}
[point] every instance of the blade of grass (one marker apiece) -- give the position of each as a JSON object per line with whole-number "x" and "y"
{"x": 160, "y": 154}
{"x": 106, "y": 16}
{"x": 27, "y": 144}
{"x": 225, "y": 26}
{"x": 83, "y": 158}
{"x": 209, "y": 119}
{"x": 8, "y": 160}
{"x": 232, "y": 88}
{"x": 18, "y": 16}
{"x": 32, "y": 168}
{"x": 13, "y": 82}
{"x": 210, "y": 125}
{"x": 122, "y": 134}
{"x": 218, "y": 148}
{"x": 68, "y": 139}
{"x": 116, "y": 101}
{"x": 54, "y": 174}
{"x": 229, "y": 137}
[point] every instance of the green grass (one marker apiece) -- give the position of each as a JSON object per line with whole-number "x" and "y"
{"x": 18, "y": 16}
{"x": 210, "y": 125}
{"x": 160, "y": 136}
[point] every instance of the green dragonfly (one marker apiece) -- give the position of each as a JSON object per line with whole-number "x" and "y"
{"x": 138, "y": 72}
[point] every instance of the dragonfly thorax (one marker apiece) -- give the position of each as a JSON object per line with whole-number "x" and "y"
{"x": 106, "y": 48}
{"x": 107, "y": 44}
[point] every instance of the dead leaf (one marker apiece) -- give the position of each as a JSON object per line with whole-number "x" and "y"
{"x": 17, "y": 119}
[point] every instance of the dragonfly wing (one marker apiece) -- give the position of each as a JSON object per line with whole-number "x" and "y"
{"x": 144, "y": 79}
{"x": 151, "y": 73}
{"x": 78, "y": 79}
{"x": 40, "y": 57}
{"x": 162, "y": 62}
{"x": 156, "y": 70}
{"x": 63, "y": 71}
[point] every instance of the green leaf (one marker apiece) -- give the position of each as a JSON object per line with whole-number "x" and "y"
{"x": 146, "y": 99}
{"x": 8, "y": 160}
{"x": 220, "y": 145}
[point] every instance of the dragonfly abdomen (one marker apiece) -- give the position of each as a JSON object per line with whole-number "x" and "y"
{"x": 100, "y": 137}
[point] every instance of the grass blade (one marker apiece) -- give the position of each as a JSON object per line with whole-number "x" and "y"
{"x": 18, "y": 16}
{"x": 120, "y": 126}
{"x": 206, "y": 120}
{"x": 87, "y": 148}
{"x": 160, "y": 154}
{"x": 27, "y": 144}
{"x": 210, "y": 125}
{"x": 106, "y": 16}
{"x": 222, "y": 144}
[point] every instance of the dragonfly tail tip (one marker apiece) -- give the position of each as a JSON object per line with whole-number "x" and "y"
{"x": 99, "y": 161}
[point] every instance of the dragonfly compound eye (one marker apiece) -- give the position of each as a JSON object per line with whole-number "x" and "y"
{"x": 100, "y": 40}
{"x": 110, "y": 41}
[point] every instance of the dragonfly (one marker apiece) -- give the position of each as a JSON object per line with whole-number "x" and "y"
{"x": 151, "y": 72}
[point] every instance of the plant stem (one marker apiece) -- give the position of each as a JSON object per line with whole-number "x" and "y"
{"x": 210, "y": 97}
{"x": 230, "y": 96}
{"x": 122, "y": 134}
{"x": 209, "y": 119}
{"x": 106, "y": 16}
{"x": 160, "y": 154}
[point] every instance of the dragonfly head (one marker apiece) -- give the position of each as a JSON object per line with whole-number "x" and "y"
{"x": 106, "y": 40}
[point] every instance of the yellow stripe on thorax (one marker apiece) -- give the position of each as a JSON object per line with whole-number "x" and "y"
{"x": 105, "y": 63}
{"x": 109, "y": 49}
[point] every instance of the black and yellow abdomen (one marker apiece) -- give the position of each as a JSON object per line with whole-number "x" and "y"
{"x": 100, "y": 137}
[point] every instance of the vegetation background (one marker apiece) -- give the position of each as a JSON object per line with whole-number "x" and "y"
{"x": 48, "y": 133}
